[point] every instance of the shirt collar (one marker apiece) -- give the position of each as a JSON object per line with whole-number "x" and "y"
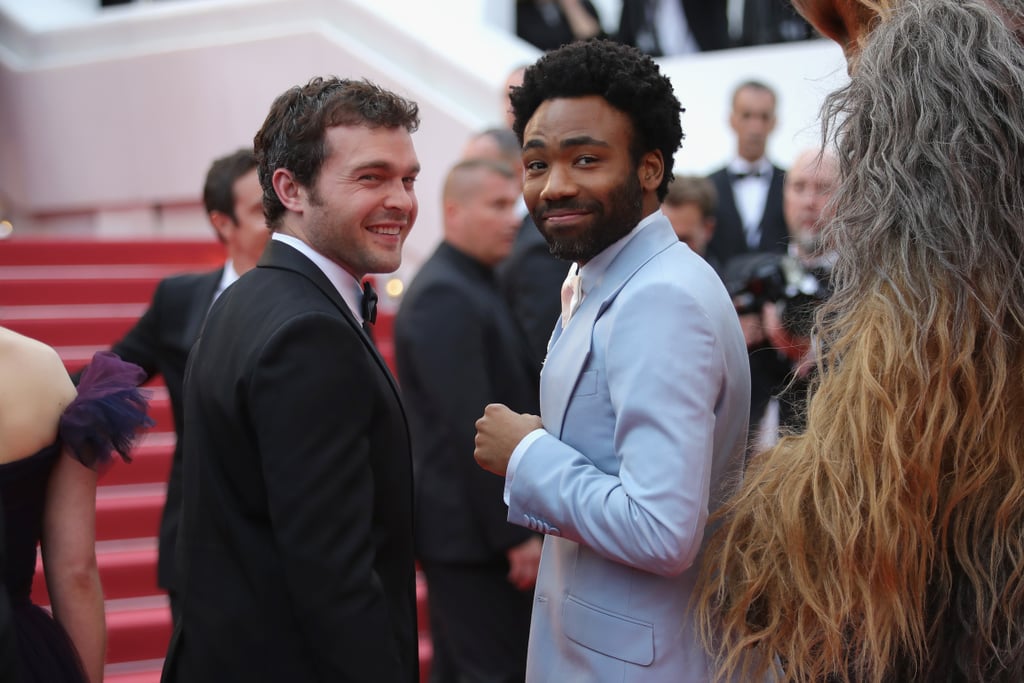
{"x": 348, "y": 287}
{"x": 227, "y": 277}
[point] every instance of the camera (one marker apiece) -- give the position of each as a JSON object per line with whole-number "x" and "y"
{"x": 753, "y": 280}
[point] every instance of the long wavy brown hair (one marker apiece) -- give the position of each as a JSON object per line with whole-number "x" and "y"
{"x": 886, "y": 542}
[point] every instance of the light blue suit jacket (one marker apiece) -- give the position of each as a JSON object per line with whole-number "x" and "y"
{"x": 645, "y": 398}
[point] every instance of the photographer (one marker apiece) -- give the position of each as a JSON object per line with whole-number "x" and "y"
{"x": 775, "y": 296}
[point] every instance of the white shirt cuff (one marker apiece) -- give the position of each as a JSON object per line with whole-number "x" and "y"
{"x": 517, "y": 455}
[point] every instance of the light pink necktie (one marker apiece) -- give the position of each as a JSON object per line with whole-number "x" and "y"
{"x": 571, "y": 294}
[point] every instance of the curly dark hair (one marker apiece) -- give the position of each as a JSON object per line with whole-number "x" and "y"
{"x": 628, "y": 79}
{"x": 292, "y": 136}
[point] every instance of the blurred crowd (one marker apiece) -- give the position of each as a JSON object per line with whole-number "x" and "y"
{"x": 663, "y": 28}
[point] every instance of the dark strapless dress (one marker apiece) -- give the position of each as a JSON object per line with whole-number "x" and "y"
{"x": 103, "y": 419}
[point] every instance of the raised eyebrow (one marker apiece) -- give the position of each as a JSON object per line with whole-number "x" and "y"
{"x": 583, "y": 141}
{"x": 387, "y": 166}
{"x": 578, "y": 141}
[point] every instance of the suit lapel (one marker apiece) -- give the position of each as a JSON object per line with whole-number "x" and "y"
{"x": 570, "y": 347}
{"x": 733, "y": 222}
{"x": 280, "y": 255}
{"x": 206, "y": 287}
{"x": 772, "y": 230}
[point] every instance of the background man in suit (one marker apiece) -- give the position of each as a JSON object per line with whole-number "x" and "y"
{"x": 160, "y": 341}
{"x": 749, "y": 223}
{"x": 645, "y": 390}
{"x": 295, "y": 552}
{"x": 749, "y": 216}
{"x": 458, "y": 348}
{"x": 529, "y": 277}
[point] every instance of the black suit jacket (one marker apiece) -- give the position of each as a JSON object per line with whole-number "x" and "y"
{"x": 159, "y": 343}
{"x": 708, "y": 22}
{"x": 295, "y": 553}
{"x": 531, "y": 280}
{"x": 729, "y": 239}
{"x": 458, "y": 348}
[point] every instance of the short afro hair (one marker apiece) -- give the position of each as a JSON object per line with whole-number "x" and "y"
{"x": 625, "y": 77}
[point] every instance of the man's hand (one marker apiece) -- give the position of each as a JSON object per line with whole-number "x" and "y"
{"x": 523, "y": 561}
{"x": 498, "y": 433}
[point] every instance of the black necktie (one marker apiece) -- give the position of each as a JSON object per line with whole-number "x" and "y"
{"x": 368, "y": 305}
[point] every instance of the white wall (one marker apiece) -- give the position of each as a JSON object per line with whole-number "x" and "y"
{"x": 110, "y": 119}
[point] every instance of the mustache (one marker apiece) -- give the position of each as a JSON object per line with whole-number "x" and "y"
{"x": 565, "y": 205}
{"x": 392, "y": 217}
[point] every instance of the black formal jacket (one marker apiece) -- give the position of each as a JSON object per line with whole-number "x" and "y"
{"x": 729, "y": 239}
{"x": 708, "y": 22}
{"x": 159, "y": 343}
{"x": 458, "y": 348}
{"x": 295, "y": 556}
{"x": 530, "y": 279}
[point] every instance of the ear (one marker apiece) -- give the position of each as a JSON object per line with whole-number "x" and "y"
{"x": 734, "y": 121}
{"x": 651, "y": 170}
{"x": 453, "y": 217}
{"x": 288, "y": 190}
{"x": 223, "y": 224}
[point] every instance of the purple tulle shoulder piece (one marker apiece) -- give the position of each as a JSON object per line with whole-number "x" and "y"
{"x": 108, "y": 412}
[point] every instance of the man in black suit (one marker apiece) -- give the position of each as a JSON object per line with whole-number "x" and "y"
{"x": 530, "y": 277}
{"x": 662, "y": 28}
{"x": 458, "y": 348}
{"x": 749, "y": 215}
{"x": 749, "y": 221}
{"x": 160, "y": 341}
{"x": 295, "y": 554}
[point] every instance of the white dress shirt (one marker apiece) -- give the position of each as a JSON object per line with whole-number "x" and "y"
{"x": 751, "y": 195}
{"x": 339, "y": 277}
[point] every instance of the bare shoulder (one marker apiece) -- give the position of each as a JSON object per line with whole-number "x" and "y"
{"x": 34, "y": 390}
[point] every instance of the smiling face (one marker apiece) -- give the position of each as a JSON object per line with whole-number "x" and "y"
{"x": 845, "y": 21}
{"x": 362, "y": 205}
{"x": 582, "y": 187}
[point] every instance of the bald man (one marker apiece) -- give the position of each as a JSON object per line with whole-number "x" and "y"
{"x": 809, "y": 185}
{"x": 458, "y": 348}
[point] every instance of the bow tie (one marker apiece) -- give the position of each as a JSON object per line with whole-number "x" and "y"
{"x": 749, "y": 174}
{"x": 368, "y": 305}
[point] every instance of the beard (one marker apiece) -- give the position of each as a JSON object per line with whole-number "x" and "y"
{"x": 612, "y": 221}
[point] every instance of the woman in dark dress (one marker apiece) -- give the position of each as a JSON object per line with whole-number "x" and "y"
{"x": 52, "y": 440}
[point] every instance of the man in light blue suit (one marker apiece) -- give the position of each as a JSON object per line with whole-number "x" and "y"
{"x": 645, "y": 391}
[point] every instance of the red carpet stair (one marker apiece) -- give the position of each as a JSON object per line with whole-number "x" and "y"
{"x": 80, "y": 295}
